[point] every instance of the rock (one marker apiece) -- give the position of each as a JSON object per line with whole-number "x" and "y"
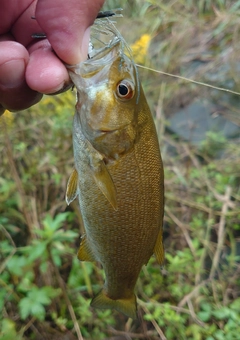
{"x": 195, "y": 120}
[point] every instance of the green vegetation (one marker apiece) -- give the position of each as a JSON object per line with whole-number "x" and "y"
{"x": 44, "y": 290}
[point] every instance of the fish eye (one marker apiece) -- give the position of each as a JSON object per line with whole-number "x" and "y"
{"x": 125, "y": 89}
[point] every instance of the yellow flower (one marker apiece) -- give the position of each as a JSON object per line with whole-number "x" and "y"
{"x": 140, "y": 48}
{"x": 8, "y": 117}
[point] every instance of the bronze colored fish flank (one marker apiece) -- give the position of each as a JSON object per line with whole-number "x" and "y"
{"x": 118, "y": 174}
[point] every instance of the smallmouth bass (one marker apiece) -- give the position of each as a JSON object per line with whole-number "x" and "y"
{"x": 118, "y": 175}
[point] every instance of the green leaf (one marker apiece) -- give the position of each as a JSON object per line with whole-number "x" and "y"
{"x": 51, "y": 224}
{"x": 219, "y": 335}
{"x": 8, "y": 330}
{"x": 26, "y": 282}
{"x": 51, "y": 292}
{"x": 222, "y": 313}
{"x": 236, "y": 305}
{"x": 62, "y": 236}
{"x": 25, "y": 308}
{"x": 16, "y": 265}
{"x": 33, "y": 304}
{"x": 39, "y": 295}
{"x": 204, "y": 316}
{"x": 36, "y": 251}
{"x": 206, "y": 307}
{"x": 38, "y": 311}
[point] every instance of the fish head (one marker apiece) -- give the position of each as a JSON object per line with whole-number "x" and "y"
{"x": 108, "y": 95}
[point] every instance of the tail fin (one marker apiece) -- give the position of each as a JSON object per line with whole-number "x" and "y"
{"x": 125, "y": 306}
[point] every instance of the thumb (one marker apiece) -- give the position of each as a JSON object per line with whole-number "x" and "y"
{"x": 66, "y": 24}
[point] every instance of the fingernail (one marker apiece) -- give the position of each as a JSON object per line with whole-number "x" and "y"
{"x": 12, "y": 73}
{"x": 64, "y": 87}
{"x": 59, "y": 89}
{"x": 85, "y": 43}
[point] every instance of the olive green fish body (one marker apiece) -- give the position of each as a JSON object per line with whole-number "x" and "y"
{"x": 118, "y": 180}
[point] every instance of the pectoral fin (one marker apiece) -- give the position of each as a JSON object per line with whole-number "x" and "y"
{"x": 105, "y": 183}
{"x": 101, "y": 174}
{"x": 159, "y": 249}
{"x": 72, "y": 187}
{"x": 85, "y": 252}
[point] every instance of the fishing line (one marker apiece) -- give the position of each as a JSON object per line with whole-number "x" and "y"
{"x": 189, "y": 80}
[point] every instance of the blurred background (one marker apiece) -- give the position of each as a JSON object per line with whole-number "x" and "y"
{"x": 44, "y": 290}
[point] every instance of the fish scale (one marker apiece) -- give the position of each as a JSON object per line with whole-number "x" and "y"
{"x": 118, "y": 175}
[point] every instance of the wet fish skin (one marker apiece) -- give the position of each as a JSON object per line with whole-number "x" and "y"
{"x": 118, "y": 177}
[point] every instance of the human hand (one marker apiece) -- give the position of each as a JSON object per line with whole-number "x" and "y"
{"x": 29, "y": 67}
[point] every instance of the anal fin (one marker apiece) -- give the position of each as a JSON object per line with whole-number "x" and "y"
{"x": 159, "y": 249}
{"x": 85, "y": 253}
{"x": 72, "y": 187}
